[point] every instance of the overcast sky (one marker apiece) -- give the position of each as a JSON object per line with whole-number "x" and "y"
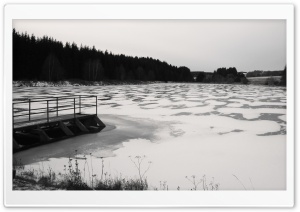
{"x": 201, "y": 45}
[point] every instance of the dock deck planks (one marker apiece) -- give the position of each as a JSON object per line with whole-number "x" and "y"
{"x": 42, "y": 121}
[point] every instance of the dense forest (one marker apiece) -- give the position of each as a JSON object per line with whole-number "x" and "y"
{"x": 283, "y": 77}
{"x": 50, "y": 60}
{"x": 222, "y": 75}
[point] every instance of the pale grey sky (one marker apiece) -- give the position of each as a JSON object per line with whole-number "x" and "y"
{"x": 201, "y": 45}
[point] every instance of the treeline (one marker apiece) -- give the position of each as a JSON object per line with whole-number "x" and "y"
{"x": 50, "y": 60}
{"x": 283, "y": 77}
{"x": 260, "y": 73}
{"x": 222, "y": 75}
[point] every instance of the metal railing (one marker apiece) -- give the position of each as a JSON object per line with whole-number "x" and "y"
{"x": 26, "y": 110}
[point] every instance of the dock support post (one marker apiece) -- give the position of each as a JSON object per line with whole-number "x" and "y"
{"x": 80, "y": 125}
{"x": 99, "y": 122}
{"x": 15, "y": 144}
{"x": 65, "y": 129}
{"x": 43, "y": 136}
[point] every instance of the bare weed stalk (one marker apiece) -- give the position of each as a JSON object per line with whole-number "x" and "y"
{"x": 239, "y": 181}
{"x": 138, "y": 161}
{"x": 211, "y": 186}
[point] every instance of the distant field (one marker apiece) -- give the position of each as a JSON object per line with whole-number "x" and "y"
{"x": 262, "y": 80}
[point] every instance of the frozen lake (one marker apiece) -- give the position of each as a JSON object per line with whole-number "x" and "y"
{"x": 235, "y": 135}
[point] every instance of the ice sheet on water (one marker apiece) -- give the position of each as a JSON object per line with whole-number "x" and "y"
{"x": 214, "y": 156}
{"x": 200, "y": 129}
{"x": 283, "y": 117}
{"x": 251, "y": 113}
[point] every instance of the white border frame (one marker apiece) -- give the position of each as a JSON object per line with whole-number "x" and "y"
{"x": 147, "y": 198}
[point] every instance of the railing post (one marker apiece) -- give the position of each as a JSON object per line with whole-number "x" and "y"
{"x": 96, "y": 105}
{"x": 48, "y": 111}
{"x": 74, "y": 108}
{"x": 79, "y": 104}
{"x": 29, "y": 109}
{"x": 56, "y": 106}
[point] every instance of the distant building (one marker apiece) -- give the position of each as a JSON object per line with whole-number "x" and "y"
{"x": 243, "y": 72}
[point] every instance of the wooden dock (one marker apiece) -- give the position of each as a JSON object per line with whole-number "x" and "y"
{"x": 45, "y": 120}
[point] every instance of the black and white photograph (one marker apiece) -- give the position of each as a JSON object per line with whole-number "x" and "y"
{"x": 152, "y": 105}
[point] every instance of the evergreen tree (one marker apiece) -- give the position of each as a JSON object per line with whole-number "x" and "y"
{"x": 52, "y": 70}
{"x": 48, "y": 59}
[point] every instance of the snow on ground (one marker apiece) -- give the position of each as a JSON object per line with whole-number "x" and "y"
{"x": 220, "y": 131}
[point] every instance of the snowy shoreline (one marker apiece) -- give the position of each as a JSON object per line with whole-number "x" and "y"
{"x": 78, "y": 83}
{"x": 72, "y": 83}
